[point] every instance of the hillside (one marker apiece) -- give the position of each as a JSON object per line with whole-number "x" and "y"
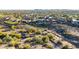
{"x": 38, "y": 29}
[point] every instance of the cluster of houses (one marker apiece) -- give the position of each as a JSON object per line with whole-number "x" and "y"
{"x": 50, "y": 19}
{"x": 46, "y": 20}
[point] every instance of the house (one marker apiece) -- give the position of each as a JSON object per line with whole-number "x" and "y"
{"x": 26, "y": 17}
{"x": 39, "y": 22}
{"x": 75, "y": 22}
{"x": 46, "y": 17}
{"x": 49, "y": 18}
{"x": 61, "y": 20}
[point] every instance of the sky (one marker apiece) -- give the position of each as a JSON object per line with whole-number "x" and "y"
{"x": 39, "y": 4}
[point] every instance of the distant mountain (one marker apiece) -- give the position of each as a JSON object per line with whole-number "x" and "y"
{"x": 43, "y": 11}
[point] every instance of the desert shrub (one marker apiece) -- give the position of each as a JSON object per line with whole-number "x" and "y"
{"x": 11, "y": 22}
{"x": 13, "y": 27}
{"x": 2, "y": 35}
{"x": 49, "y": 46}
{"x": 28, "y": 39}
{"x": 27, "y": 46}
{"x": 59, "y": 42}
{"x": 53, "y": 38}
{"x": 27, "y": 36}
{"x": 32, "y": 30}
{"x": 14, "y": 42}
{"x": 7, "y": 38}
{"x": 44, "y": 33}
{"x": 50, "y": 35}
{"x": 12, "y": 34}
{"x": 38, "y": 39}
{"x": 17, "y": 35}
{"x": 16, "y": 39}
{"x": 1, "y": 27}
{"x": 38, "y": 31}
{"x": 65, "y": 47}
{"x": 45, "y": 39}
{"x": 1, "y": 16}
{"x": 1, "y": 42}
{"x": 21, "y": 46}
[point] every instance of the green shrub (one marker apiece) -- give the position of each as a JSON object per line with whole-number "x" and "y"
{"x": 2, "y": 16}
{"x": 38, "y": 39}
{"x": 44, "y": 33}
{"x": 45, "y": 39}
{"x": 28, "y": 39}
{"x": 27, "y": 46}
{"x": 7, "y": 38}
{"x": 1, "y": 27}
{"x": 21, "y": 46}
{"x": 1, "y": 42}
{"x": 17, "y": 35}
{"x": 32, "y": 30}
{"x": 38, "y": 31}
{"x": 59, "y": 42}
{"x": 13, "y": 42}
{"x": 49, "y": 46}
{"x": 2, "y": 35}
{"x": 27, "y": 36}
{"x": 50, "y": 35}
{"x": 11, "y": 22}
{"x": 65, "y": 47}
{"x": 13, "y": 27}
